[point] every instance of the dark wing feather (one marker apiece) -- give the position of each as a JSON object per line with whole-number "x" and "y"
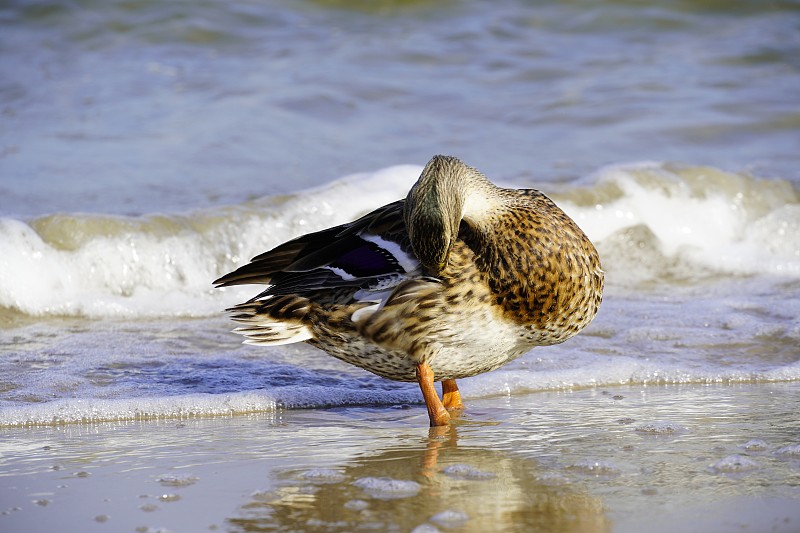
{"x": 329, "y": 259}
{"x": 263, "y": 266}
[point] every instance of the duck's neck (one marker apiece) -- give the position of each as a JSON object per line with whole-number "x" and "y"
{"x": 447, "y": 192}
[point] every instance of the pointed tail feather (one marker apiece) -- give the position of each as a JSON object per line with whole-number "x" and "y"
{"x": 274, "y": 321}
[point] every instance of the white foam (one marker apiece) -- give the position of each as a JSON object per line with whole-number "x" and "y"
{"x": 322, "y": 476}
{"x": 464, "y": 471}
{"x": 426, "y": 528}
{"x": 660, "y": 427}
{"x": 450, "y": 518}
{"x": 595, "y": 467}
{"x": 163, "y": 265}
{"x": 733, "y": 464}
{"x": 337, "y": 394}
{"x": 356, "y": 505}
{"x": 385, "y": 488}
{"x": 698, "y": 216}
{"x": 615, "y": 371}
{"x": 789, "y": 451}
{"x": 755, "y": 445}
{"x": 92, "y": 265}
{"x": 68, "y": 410}
{"x": 176, "y": 480}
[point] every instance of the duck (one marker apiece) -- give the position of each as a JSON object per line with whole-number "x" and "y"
{"x": 457, "y": 279}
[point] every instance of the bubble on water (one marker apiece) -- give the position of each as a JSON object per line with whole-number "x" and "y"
{"x": 465, "y": 471}
{"x": 177, "y": 480}
{"x": 385, "y": 488}
{"x": 356, "y": 505}
{"x": 169, "y": 497}
{"x": 322, "y": 476}
{"x": 262, "y": 495}
{"x": 450, "y": 519}
{"x": 316, "y": 523}
{"x": 43, "y": 502}
{"x": 307, "y": 489}
{"x": 734, "y": 464}
{"x": 789, "y": 451}
{"x": 82, "y": 474}
{"x": 425, "y": 528}
{"x": 552, "y": 478}
{"x": 660, "y": 428}
{"x": 149, "y": 507}
{"x": 596, "y": 468}
{"x": 101, "y": 518}
{"x": 755, "y": 445}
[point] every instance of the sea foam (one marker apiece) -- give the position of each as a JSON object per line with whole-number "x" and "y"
{"x": 163, "y": 265}
{"x": 649, "y": 220}
{"x": 685, "y": 221}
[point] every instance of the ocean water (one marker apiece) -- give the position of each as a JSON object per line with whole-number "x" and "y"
{"x": 710, "y": 458}
{"x": 146, "y": 148}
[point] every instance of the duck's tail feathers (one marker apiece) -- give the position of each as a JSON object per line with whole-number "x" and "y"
{"x": 274, "y": 321}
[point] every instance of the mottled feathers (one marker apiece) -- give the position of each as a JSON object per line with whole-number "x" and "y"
{"x": 461, "y": 274}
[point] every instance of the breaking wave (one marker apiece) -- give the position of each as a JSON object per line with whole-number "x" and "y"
{"x": 651, "y": 222}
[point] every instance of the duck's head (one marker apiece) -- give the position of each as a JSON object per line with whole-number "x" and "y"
{"x": 435, "y": 206}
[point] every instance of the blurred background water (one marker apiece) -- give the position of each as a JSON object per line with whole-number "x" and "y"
{"x": 136, "y": 106}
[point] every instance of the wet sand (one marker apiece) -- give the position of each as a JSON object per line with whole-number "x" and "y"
{"x": 623, "y": 459}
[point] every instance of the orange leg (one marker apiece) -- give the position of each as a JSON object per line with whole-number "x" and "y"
{"x": 436, "y": 411}
{"x": 451, "y": 397}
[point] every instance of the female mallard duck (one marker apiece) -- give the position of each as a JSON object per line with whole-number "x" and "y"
{"x": 457, "y": 279}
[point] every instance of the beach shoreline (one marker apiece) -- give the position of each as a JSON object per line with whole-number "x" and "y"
{"x": 708, "y": 457}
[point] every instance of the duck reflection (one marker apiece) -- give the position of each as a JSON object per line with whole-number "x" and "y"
{"x": 437, "y": 483}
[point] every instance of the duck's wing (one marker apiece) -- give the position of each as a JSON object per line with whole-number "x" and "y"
{"x": 369, "y": 254}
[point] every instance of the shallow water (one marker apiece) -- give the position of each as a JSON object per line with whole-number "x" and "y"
{"x": 696, "y": 458}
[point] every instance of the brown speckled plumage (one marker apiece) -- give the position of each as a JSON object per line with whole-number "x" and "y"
{"x": 461, "y": 276}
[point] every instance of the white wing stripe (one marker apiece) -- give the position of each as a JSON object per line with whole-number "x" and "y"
{"x": 406, "y": 261}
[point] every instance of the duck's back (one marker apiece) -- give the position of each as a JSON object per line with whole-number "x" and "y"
{"x": 535, "y": 280}
{"x": 461, "y": 275}
{"x": 541, "y": 268}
